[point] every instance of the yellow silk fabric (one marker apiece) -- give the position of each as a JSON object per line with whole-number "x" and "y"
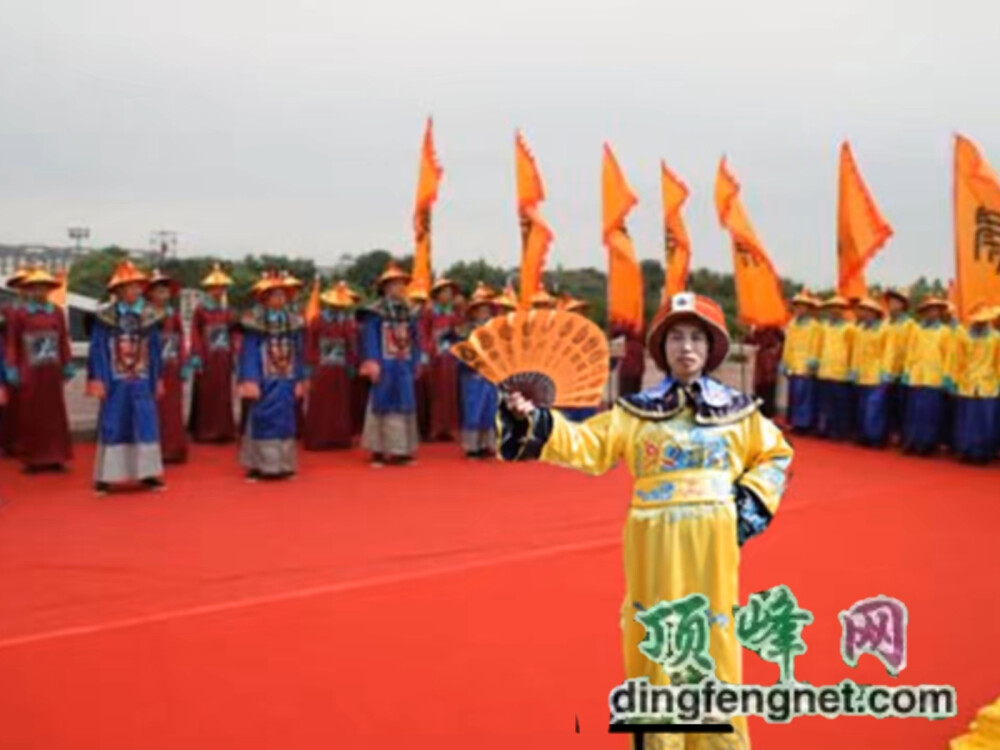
{"x": 835, "y": 351}
{"x": 926, "y": 360}
{"x": 897, "y": 340}
{"x": 866, "y": 354}
{"x": 975, "y": 364}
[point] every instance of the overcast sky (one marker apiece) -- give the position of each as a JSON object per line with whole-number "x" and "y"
{"x": 295, "y": 126}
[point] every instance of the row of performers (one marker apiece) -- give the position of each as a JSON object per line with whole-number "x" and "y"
{"x": 390, "y": 357}
{"x": 871, "y": 372}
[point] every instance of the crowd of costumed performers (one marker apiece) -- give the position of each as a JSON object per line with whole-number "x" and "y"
{"x": 378, "y": 374}
{"x": 867, "y": 370}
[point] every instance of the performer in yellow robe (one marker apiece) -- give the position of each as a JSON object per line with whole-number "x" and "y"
{"x": 709, "y": 473}
{"x": 871, "y": 394}
{"x": 974, "y": 383}
{"x": 924, "y": 375}
{"x": 799, "y": 361}
{"x": 835, "y": 417}
{"x": 899, "y": 328}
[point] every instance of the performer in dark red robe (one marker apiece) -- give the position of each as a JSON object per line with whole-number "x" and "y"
{"x": 770, "y": 343}
{"x": 332, "y": 359}
{"x": 421, "y": 311}
{"x": 38, "y": 361}
{"x": 8, "y": 432}
{"x": 442, "y": 370}
{"x": 161, "y": 292}
{"x": 633, "y": 365}
{"x": 213, "y": 356}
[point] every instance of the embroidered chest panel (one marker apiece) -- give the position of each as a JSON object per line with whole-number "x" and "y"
{"x": 679, "y": 444}
{"x": 278, "y": 355}
{"x": 41, "y": 348}
{"x": 129, "y": 350}
{"x": 170, "y": 347}
{"x": 332, "y": 351}
{"x": 217, "y": 337}
{"x": 396, "y": 340}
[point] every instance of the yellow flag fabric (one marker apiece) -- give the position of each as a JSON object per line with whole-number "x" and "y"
{"x": 977, "y": 230}
{"x": 624, "y": 274}
{"x": 428, "y": 180}
{"x": 677, "y": 245}
{"x": 861, "y": 229}
{"x": 758, "y": 288}
{"x": 535, "y": 233}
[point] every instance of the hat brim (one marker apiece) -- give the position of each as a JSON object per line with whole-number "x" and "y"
{"x": 405, "y": 278}
{"x": 896, "y": 295}
{"x": 143, "y": 282}
{"x": 50, "y": 283}
{"x": 718, "y": 339}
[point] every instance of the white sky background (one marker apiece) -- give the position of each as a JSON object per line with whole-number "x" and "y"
{"x": 295, "y": 126}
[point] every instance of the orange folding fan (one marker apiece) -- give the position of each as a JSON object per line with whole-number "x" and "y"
{"x": 553, "y": 357}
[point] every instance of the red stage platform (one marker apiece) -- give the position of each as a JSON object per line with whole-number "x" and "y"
{"x": 446, "y": 605}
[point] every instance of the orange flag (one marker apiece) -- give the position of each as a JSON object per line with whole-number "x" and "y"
{"x": 535, "y": 233}
{"x": 977, "y": 230}
{"x": 676, "y": 242}
{"x": 427, "y": 192}
{"x": 312, "y": 306}
{"x": 624, "y": 274}
{"x": 58, "y": 295}
{"x": 861, "y": 228}
{"x": 758, "y": 287}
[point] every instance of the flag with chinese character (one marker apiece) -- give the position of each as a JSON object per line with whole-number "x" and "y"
{"x": 535, "y": 233}
{"x": 977, "y": 230}
{"x": 624, "y": 274}
{"x": 427, "y": 192}
{"x": 861, "y": 229}
{"x": 677, "y": 246}
{"x": 758, "y": 286}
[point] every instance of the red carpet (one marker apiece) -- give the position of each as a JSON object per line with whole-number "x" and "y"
{"x": 444, "y": 605}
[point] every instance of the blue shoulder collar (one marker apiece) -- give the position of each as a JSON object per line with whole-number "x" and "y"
{"x": 713, "y": 402}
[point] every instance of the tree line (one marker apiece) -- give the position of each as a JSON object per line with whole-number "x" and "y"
{"x": 89, "y": 275}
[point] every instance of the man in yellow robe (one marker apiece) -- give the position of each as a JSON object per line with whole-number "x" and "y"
{"x": 709, "y": 473}
{"x": 974, "y": 383}
{"x": 899, "y": 327}
{"x": 835, "y": 417}
{"x": 799, "y": 361}
{"x": 924, "y": 375}
{"x": 871, "y": 394}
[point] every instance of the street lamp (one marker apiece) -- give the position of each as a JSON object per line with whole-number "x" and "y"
{"x": 164, "y": 242}
{"x": 78, "y": 235}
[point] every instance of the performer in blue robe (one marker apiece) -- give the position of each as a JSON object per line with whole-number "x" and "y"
{"x": 124, "y": 371}
{"x": 271, "y": 377}
{"x": 478, "y": 395}
{"x": 390, "y": 358}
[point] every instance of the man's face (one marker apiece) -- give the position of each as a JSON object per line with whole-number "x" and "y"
{"x": 444, "y": 295}
{"x": 36, "y": 292}
{"x": 396, "y": 290}
{"x": 216, "y": 292}
{"x": 160, "y": 295}
{"x": 896, "y": 306}
{"x": 130, "y": 293}
{"x": 275, "y": 299}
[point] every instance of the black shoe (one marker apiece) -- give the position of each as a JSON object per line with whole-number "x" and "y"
{"x": 153, "y": 483}
{"x": 102, "y": 488}
{"x": 378, "y": 460}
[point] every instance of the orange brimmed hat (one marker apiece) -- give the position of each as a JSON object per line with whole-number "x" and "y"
{"x": 867, "y": 303}
{"x": 40, "y": 277}
{"x": 932, "y": 301}
{"x": 570, "y": 303}
{"x": 217, "y": 277}
{"x": 159, "y": 277}
{"x": 15, "y": 279}
{"x": 688, "y": 306}
{"x": 289, "y": 282}
{"x": 444, "y": 283}
{"x": 542, "y": 299}
{"x": 482, "y": 295}
{"x": 126, "y": 273}
{"x": 804, "y": 297}
{"x": 268, "y": 280}
{"x": 897, "y": 292}
{"x": 392, "y": 272}
{"x": 836, "y": 301}
{"x": 983, "y": 314}
{"x": 337, "y": 296}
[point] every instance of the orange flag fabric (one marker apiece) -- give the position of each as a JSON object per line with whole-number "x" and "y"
{"x": 624, "y": 273}
{"x": 977, "y": 230}
{"x": 312, "y": 306}
{"x": 861, "y": 229}
{"x": 58, "y": 295}
{"x": 758, "y": 286}
{"x": 676, "y": 243}
{"x": 428, "y": 180}
{"x": 535, "y": 233}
